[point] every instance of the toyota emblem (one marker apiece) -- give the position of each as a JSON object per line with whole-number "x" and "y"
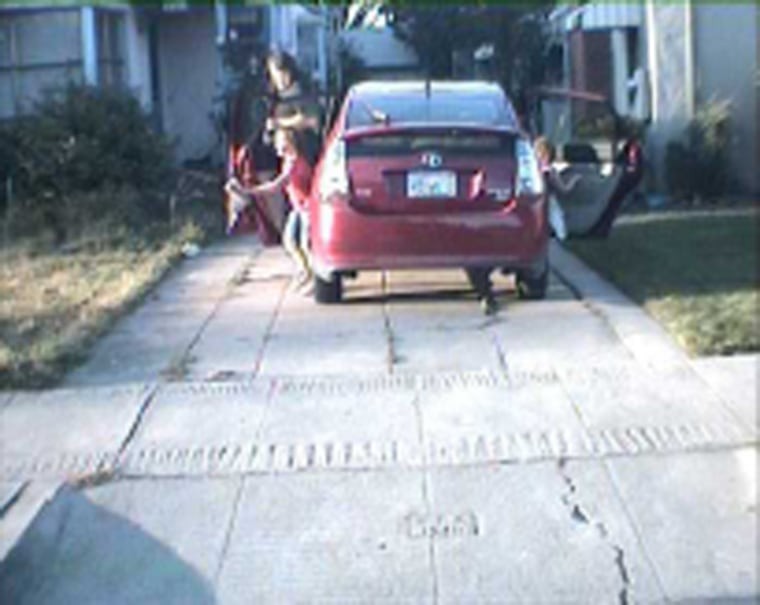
{"x": 432, "y": 160}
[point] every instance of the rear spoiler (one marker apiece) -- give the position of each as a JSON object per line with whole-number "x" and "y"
{"x": 391, "y": 129}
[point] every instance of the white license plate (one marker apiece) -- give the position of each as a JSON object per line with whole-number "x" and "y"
{"x": 442, "y": 183}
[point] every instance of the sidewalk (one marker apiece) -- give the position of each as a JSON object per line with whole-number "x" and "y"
{"x": 235, "y": 443}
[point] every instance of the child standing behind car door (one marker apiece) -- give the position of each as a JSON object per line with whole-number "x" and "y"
{"x": 554, "y": 185}
{"x": 295, "y": 179}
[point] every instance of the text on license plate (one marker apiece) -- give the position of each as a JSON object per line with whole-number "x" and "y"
{"x": 442, "y": 183}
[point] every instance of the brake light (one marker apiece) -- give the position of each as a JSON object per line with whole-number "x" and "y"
{"x": 334, "y": 177}
{"x": 529, "y": 178}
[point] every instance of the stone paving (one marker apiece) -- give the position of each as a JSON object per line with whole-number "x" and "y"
{"x": 232, "y": 442}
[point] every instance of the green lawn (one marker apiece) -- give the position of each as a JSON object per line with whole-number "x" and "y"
{"x": 694, "y": 271}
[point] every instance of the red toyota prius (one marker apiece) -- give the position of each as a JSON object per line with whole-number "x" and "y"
{"x": 421, "y": 175}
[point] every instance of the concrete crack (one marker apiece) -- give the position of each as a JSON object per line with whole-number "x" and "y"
{"x": 500, "y": 355}
{"x": 14, "y": 497}
{"x": 270, "y": 329}
{"x": 230, "y": 530}
{"x": 624, "y": 577}
{"x": 178, "y": 367}
{"x": 579, "y": 515}
{"x": 136, "y": 423}
{"x": 391, "y": 357}
{"x": 426, "y": 497}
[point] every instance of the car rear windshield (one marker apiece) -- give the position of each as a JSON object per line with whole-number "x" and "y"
{"x": 454, "y": 109}
{"x": 454, "y": 141}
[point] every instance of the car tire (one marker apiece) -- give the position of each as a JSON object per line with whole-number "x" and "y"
{"x": 531, "y": 286}
{"x": 328, "y": 291}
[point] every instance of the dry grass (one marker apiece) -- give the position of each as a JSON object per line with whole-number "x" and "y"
{"x": 55, "y": 302}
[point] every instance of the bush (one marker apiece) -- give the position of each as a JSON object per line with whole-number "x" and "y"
{"x": 698, "y": 167}
{"x": 79, "y": 140}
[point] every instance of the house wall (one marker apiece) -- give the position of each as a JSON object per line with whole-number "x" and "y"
{"x": 188, "y": 76}
{"x": 137, "y": 58}
{"x": 381, "y": 51}
{"x": 726, "y": 67}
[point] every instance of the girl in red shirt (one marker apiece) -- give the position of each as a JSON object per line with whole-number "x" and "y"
{"x": 295, "y": 179}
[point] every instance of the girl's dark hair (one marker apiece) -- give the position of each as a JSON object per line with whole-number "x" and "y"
{"x": 284, "y": 61}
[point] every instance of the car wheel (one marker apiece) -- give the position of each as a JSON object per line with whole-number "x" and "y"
{"x": 531, "y": 286}
{"x": 328, "y": 291}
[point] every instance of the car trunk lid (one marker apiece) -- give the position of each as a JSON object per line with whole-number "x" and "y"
{"x": 430, "y": 169}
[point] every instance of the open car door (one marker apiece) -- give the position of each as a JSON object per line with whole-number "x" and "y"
{"x": 590, "y": 142}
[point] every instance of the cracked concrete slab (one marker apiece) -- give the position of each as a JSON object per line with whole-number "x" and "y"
{"x": 531, "y": 534}
{"x": 450, "y": 314}
{"x": 126, "y": 359}
{"x": 449, "y": 416}
{"x": 308, "y": 320}
{"x": 170, "y": 535}
{"x": 697, "y": 518}
{"x": 570, "y": 338}
{"x": 258, "y": 297}
{"x": 364, "y": 352}
{"x": 228, "y": 347}
{"x": 419, "y": 306}
{"x": 201, "y": 414}
{"x": 341, "y": 537}
{"x": 40, "y": 424}
{"x": 630, "y": 394}
{"x": 323, "y": 418}
{"x": 443, "y": 351}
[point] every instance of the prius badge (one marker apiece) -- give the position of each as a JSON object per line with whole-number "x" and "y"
{"x": 431, "y": 159}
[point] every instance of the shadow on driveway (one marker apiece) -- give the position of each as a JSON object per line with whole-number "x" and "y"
{"x": 78, "y": 552}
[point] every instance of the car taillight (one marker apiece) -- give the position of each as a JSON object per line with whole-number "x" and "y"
{"x": 334, "y": 177}
{"x": 529, "y": 179}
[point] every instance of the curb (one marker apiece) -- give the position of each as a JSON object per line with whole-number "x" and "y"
{"x": 645, "y": 339}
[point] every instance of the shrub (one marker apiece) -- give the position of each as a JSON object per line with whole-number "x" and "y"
{"x": 81, "y": 139}
{"x": 698, "y": 167}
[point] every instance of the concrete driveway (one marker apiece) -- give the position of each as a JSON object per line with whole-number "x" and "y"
{"x": 231, "y": 442}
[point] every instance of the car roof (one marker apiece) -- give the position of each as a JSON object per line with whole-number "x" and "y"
{"x": 418, "y": 87}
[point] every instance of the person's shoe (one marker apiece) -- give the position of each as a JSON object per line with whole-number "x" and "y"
{"x": 489, "y": 305}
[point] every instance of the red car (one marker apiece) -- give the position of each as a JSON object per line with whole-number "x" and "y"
{"x": 427, "y": 174}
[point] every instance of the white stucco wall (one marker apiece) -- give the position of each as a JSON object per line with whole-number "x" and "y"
{"x": 668, "y": 68}
{"x": 380, "y": 48}
{"x": 137, "y": 58}
{"x": 188, "y": 73}
{"x": 727, "y": 64}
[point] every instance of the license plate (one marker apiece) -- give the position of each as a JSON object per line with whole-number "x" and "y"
{"x": 441, "y": 183}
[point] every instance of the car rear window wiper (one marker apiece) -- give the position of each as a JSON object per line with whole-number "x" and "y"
{"x": 377, "y": 116}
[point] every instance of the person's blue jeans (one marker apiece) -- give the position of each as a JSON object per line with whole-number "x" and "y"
{"x": 295, "y": 239}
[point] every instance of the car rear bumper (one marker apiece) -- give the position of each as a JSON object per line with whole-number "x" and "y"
{"x": 344, "y": 239}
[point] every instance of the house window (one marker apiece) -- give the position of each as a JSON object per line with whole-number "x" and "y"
{"x": 39, "y": 50}
{"x": 110, "y": 33}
